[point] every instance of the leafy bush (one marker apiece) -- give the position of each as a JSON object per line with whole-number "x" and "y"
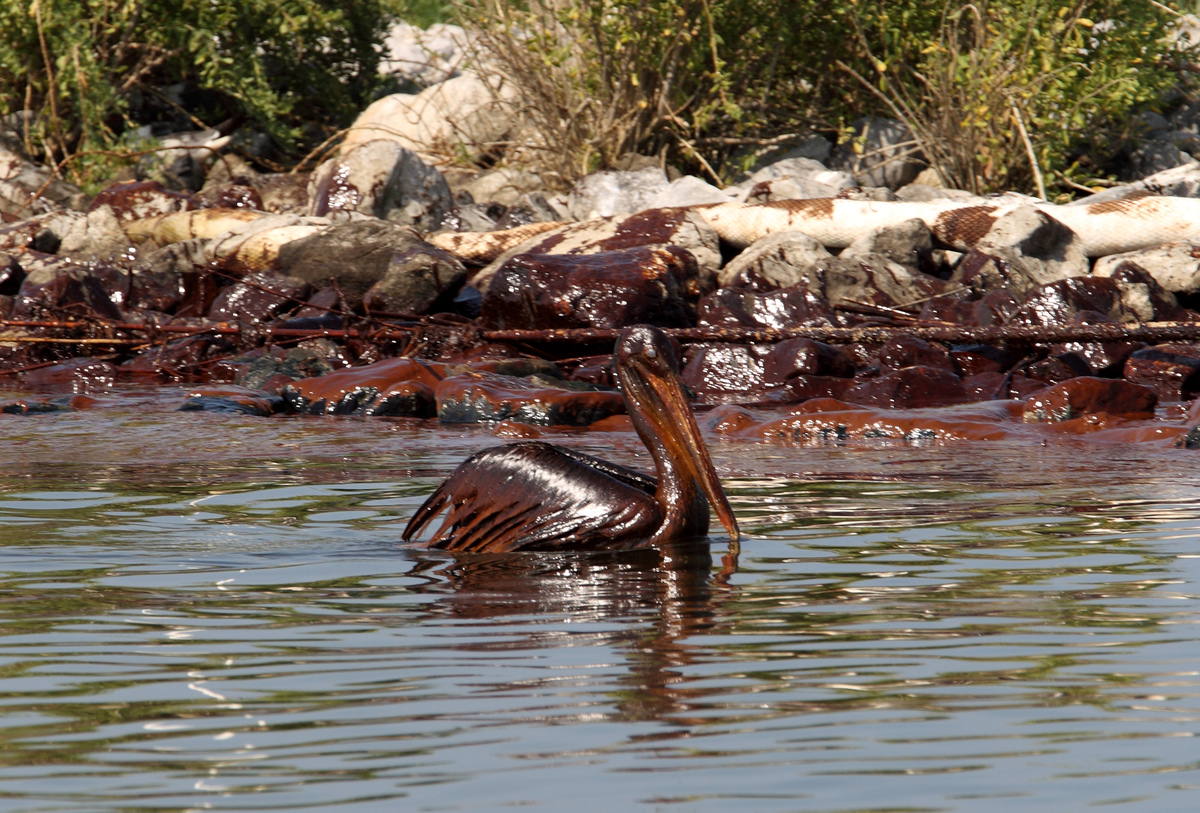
{"x": 91, "y": 69}
{"x": 694, "y": 80}
{"x": 1018, "y": 94}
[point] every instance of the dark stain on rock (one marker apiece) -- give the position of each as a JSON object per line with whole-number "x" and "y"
{"x": 651, "y": 227}
{"x": 809, "y": 207}
{"x": 1118, "y": 206}
{"x": 965, "y": 226}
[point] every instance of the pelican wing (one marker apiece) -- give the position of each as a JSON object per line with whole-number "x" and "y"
{"x": 534, "y": 496}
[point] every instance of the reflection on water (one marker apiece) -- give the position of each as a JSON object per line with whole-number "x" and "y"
{"x": 962, "y": 627}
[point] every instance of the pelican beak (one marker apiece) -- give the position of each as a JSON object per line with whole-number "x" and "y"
{"x": 677, "y": 427}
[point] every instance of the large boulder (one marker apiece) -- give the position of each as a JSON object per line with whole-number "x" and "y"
{"x": 359, "y": 256}
{"x": 383, "y": 179}
{"x": 609, "y": 289}
{"x": 464, "y": 114}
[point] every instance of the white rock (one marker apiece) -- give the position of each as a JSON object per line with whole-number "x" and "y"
{"x": 616, "y": 193}
{"x": 1175, "y": 266}
{"x": 384, "y": 179}
{"x": 689, "y": 191}
{"x": 459, "y": 118}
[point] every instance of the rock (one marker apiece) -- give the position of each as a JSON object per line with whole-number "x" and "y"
{"x": 801, "y": 169}
{"x": 505, "y": 186}
{"x": 1175, "y": 266}
{"x": 881, "y": 153}
{"x": 135, "y": 200}
{"x": 36, "y": 406}
{"x": 688, "y": 190}
{"x": 910, "y": 244}
{"x": 1172, "y": 371}
{"x": 785, "y": 189}
{"x": 279, "y": 366}
{"x": 373, "y": 389}
{"x": 183, "y": 165}
{"x": 792, "y": 358}
{"x": 416, "y": 281}
{"x": 424, "y": 56}
{"x": 75, "y": 375}
{"x": 727, "y": 373}
{"x": 56, "y": 288}
{"x": 383, "y": 179}
{"x": 779, "y": 260}
{"x": 1057, "y": 303}
{"x": 1086, "y": 395}
{"x": 233, "y": 196}
{"x": 533, "y": 207}
{"x": 354, "y": 256}
{"x": 41, "y": 233}
{"x": 1142, "y": 295}
{"x": 909, "y": 351}
{"x": 480, "y": 397}
{"x": 1153, "y": 156}
{"x": 682, "y": 228}
{"x": 258, "y": 298}
{"x": 611, "y": 289}
{"x": 910, "y": 387}
{"x": 969, "y": 308}
{"x": 873, "y": 279}
{"x": 96, "y": 237}
{"x": 917, "y": 192}
{"x": 797, "y": 306}
{"x": 180, "y": 359}
{"x": 21, "y": 180}
{"x": 810, "y": 146}
{"x": 462, "y": 117}
{"x": 616, "y": 193}
{"x": 232, "y": 400}
{"x": 469, "y": 217}
{"x": 1024, "y": 248}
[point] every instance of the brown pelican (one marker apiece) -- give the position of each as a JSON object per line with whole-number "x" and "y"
{"x": 536, "y": 496}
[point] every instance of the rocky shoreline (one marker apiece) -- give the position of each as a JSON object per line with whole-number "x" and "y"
{"x": 363, "y": 287}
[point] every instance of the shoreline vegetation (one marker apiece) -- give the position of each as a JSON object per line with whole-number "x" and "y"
{"x": 1044, "y": 98}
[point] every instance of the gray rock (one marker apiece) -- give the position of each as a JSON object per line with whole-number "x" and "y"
{"x": 655, "y": 227}
{"x": 383, "y": 179}
{"x": 785, "y": 189}
{"x": 616, "y": 193}
{"x": 1023, "y": 250}
{"x": 811, "y": 146}
{"x": 354, "y": 256}
{"x": 882, "y": 153}
{"x": 916, "y": 192}
{"x": 1182, "y": 181}
{"x": 873, "y": 279}
{"x": 1175, "y": 266}
{"x": 688, "y": 191}
{"x": 533, "y": 207}
{"x": 415, "y": 280}
{"x": 801, "y": 169}
{"x": 909, "y": 243}
{"x": 1154, "y": 156}
{"x": 505, "y": 185}
{"x": 21, "y": 179}
{"x": 97, "y": 236}
{"x": 184, "y": 164}
{"x": 780, "y": 260}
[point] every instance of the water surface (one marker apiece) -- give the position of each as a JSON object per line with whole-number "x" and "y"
{"x": 214, "y": 612}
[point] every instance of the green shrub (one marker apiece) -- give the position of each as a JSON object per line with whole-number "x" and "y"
{"x": 1018, "y": 94}
{"x": 290, "y": 66}
{"x": 694, "y": 80}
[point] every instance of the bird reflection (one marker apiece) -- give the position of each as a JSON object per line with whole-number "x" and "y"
{"x": 674, "y": 586}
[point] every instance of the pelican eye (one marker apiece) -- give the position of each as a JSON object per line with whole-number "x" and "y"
{"x": 651, "y": 353}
